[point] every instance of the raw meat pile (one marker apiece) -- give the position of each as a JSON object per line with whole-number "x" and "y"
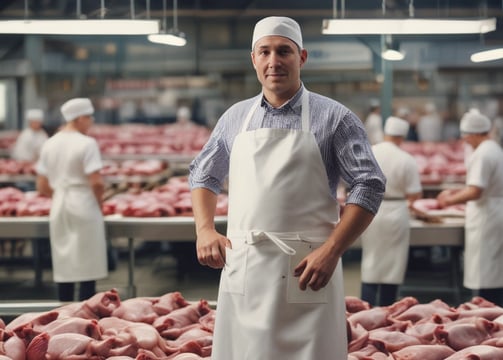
{"x": 133, "y": 167}
{"x": 8, "y": 139}
{"x": 408, "y": 330}
{"x": 170, "y": 199}
{"x": 104, "y": 327}
{"x": 187, "y": 139}
{"x": 431, "y": 207}
{"x": 169, "y": 327}
{"x": 438, "y": 162}
{"x": 14, "y": 202}
{"x": 15, "y": 167}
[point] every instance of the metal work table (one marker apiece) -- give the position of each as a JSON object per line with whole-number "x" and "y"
{"x": 176, "y": 229}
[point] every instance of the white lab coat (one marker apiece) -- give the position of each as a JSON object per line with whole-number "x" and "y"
{"x": 483, "y": 255}
{"x": 385, "y": 242}
{"x": 77, "y": 229}
{"x": 274, "y": 221}
{"x": 28, "y": 145}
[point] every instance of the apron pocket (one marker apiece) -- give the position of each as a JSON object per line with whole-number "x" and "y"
{"x": 294, "y": 295}
{"x": 234, "y": 271}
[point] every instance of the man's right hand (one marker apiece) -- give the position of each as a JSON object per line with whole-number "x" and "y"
{"x": 211, "y": 248}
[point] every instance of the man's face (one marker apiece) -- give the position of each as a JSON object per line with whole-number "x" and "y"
{"x": 277, "y": 61}
{"x": 35, "y": 124}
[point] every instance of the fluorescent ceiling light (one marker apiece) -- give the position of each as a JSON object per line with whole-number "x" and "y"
{"x": 392, "y": 55}
{"x": 80, "y": 27}
{"x": 407, "y": 26}
{"x": 488, "y": 55}
{"x": 170, "y": 38}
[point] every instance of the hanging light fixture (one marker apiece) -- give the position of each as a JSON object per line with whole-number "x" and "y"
{"x": 391, "y": 50}
{"x": 172, "y": 36}
{"x": 487, "y": 55}
{"x": 409, "y": 26}
{"x": 79, "y": 26}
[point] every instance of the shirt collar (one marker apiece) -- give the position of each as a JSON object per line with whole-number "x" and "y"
{"x": 293, "y": 104}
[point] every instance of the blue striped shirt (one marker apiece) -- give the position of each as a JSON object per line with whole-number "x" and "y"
{"x": 340, "y": 135}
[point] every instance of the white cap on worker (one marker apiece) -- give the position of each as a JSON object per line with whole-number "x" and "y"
{"x": 183, "y": 112}
{"x": 76, "y": 107}
{"x": 34, "y": 115}
{"x": 396, "y": 127}
{"x": 278, "y": 26}
{"x": 473, "y": 122}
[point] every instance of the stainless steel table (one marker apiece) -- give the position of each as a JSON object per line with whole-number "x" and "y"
{"x": 450, "y": 233}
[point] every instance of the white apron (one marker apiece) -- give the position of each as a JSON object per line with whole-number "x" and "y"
{"x": 483, "y": 244}
{"x": 385, "y": 244}
{"x": 77, "y": 235}
{"x": 280, "y": 209}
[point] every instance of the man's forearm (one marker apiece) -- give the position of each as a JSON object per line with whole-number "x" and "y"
{"x": 204, "y": 203}
{"x": 354, "y": 221}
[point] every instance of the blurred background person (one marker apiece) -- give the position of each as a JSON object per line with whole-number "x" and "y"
{"x": 483, "y": 195}
{"x": 430, "y": 127}
{"x": 69, "y": 171}
{"x": 373, "y": 123}
{"x": 30, "y": 140}
{"x": 385, "y": 243}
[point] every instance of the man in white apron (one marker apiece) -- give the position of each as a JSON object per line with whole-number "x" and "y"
{"x": 483, "y": 195}
{"x": 69, "y": 171}
{"x": 385, "y": 243}
{"x": 281, "y": 290}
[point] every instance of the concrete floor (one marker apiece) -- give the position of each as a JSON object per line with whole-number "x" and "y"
{"x": 158, "y": 271}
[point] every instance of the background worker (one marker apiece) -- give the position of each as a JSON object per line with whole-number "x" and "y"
{"x": 69, "y": 171}
{"x": 29, "y": 142}
{"x": 385, "y": 243}
{"x": 483, "y": 195}
{"x": 373, "y": 123}
{"x": 281, "y": 293}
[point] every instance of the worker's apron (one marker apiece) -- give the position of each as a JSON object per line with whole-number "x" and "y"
{"x": 483, "y": 244}
{"x": 280, "y": 209}
{"x": 385, "y": 244}
{"x": 77, "y": 230}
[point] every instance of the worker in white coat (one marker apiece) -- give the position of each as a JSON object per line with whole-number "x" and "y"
{"x": 30, "y": 140}
{"x": 281, "y": 293}
{"x": 483, "y": 195}
{"x": 374, "y": 124}
{"x": 430, "y": 125}
{"x": 385, "y": 243}
{"x": 69, "y": 171}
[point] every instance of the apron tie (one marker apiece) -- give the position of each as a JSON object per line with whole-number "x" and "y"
{"x": 258, "y": 236}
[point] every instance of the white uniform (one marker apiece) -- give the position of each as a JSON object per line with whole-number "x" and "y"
{"x": 77, "y": 230}
{"x": 429, "y": 128}
{"x": 28, "y": 145}
{"x": 261, "y": 312}
{"x": 374, "y": 128}
{"x": 483, "y": 259}
{"x": 385, "y": 243}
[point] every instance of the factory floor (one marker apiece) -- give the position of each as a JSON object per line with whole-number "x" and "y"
{"x": 165, "y": 267}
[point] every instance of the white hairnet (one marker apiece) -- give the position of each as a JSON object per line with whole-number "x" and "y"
{"x": 473, "y": 122}
{"x": 76, "y": 107}
{"x": 277, "y": 26}
{"x": 395, "y": 126}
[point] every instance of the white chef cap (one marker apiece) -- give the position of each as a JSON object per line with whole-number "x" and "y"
{"x": 473, "y": 122}
{"x": 403, "y": 111}
{"x": 76, "y": 107}
{"x": 183, "y": 112}
{"x": 278, "y": 26}
{"x": 34, "y": 115}
{"x": 396, "y": 127}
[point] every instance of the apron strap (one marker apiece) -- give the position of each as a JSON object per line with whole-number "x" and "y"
{"x": 305, "y": 110}
{"x": 250, "y": 114}
{"x": 258, "y": 236}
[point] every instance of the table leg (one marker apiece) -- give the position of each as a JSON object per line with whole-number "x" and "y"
{"x": 37, "y": 262}
{"x": 131, "y": 287}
